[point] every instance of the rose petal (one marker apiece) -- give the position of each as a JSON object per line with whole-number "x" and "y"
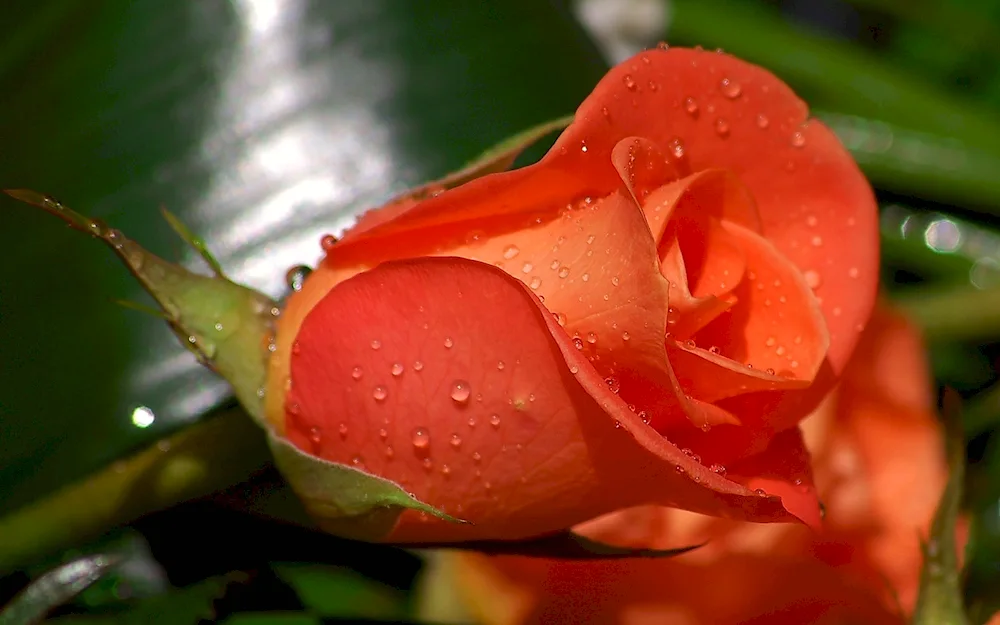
{"x": 710, "y": 377}
{"x": 783, "y": 469}
{"x": 547, "y": 448}
{"x": 776, "y": 324}
{"x": 815, "y": 205}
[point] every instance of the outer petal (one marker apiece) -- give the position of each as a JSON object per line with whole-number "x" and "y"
{"x": 815, "y": 205}
{"x": 498, "y": 431}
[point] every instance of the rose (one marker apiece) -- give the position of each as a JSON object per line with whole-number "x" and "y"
{"x": 641, "y": 317}
{"x": 879, "y": 466}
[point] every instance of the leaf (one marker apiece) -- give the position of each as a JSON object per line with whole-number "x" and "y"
{"x": 224, "y": 324}
{"x": 339, "y": 592}
{"x": 184, "y": 105}
{"x": 495, "y": 159}
{"x": 566, "y": 545}
{"x": 343, "y": 500}
{"x": 55, "y": 588}
{"x": 831, "y": 74}
{"x": 940, "y": 599}
{"x": 211, "y": 455}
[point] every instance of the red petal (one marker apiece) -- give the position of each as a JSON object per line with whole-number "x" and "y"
{"x": 776, "y": 324}
{"x": 783, "y": 469}
{"x": 815, "y": 205}
{"x": 561, "y": 448}
{"x": 710, "y": 377}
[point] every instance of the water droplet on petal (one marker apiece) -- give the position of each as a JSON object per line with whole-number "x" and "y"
{"x": 769, "y": 371}
{"x": 421, "y": 438}
{"x": 574, "y": 369}
{"x": 578, "y": 342}
{"x": 397, "y": 369}
{"x": 812, "y": 278}
{"x": 592, "y": 337}
{"x": 327, "y": 242}
{"x": 418, "y": 366}
{"x": 816, "y": 241}
{"x": 763, "y": 122}
{"x": 760, "y": 492}
{"x": 626, "y": 336}
{"x": 563, "y": 272}
{"x": 495, "y": 420}
{"x": 718, "y": 469}
{"x": 500, "y": 365}
{"x": 585, "y": 277}
{"x": 852, "y": 272}
{"x": 296, "y": 276}
{"x": 722, "y": 127}
{"x": 527, "y": 267}
{"x": 730, "y": 88}
{"x": 376, "y": 344}
{"x": 629, "y": 82}
{"x": 448, "y": 343}
{"x": 535, "y": 283}
{"x": 342, "y": 430}
{"x": 460, "y": 391}
{"x": 613, "y": 384}
{"x": 389, "y": 453}
{"x": 510, "y": 251}
{"x": 456, "y": 441}
{"x": 798, "y": 139}
{"x": 691, "y": 106}
{"x": 315, "y": 435}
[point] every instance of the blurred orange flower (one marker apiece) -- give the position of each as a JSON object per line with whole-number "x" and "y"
{"x": 880, "y": 470}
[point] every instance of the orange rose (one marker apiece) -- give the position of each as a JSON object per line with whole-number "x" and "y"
{"x": 642, "y": 317}
{"x": 880, "y": 468}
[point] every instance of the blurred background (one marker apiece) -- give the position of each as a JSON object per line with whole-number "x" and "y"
{"x": 264, "y": 124}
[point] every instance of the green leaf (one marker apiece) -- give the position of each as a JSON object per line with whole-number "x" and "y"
{"x": 224, "y": 324}
{"x": 261, "y": 131}
{"x": 566, "y": 545}
{"x": 940, "y": 599}
{"x": 832, "y": 74}
{"x": 191, "y": 605}
{"x": 55, "y": 588}
{"x": 953, "y": 313}
{"x": 200, "y": 460}
{"x": 343, "y": 500}
{"x": 338, "y": 592}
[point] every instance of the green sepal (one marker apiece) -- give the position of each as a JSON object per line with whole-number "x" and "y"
{"x": 495, "y": 159}
{"x": 940, "y": 600}
{"x": 343, "y": 500}
{"x": 566, "y": 545}
{"x": 226, "y": 325}
{"x": 55, "y": 588}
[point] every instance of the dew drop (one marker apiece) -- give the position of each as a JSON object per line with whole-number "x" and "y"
{"x": 629, "y": 82}
{"x": 421, "y": 438}
{"x": 615, "y": 281}
{"x": 527, "y": 267}
{"x": 445, "y": 470}
{"x": 760, "y": 492}
{"x": 296, "y": 276}
{"x": 577, "y": 342}
{"x": 722, "y": 127}
{"x": 563, "y": 272}
{"x": 691, "y": 106}
{"x": 730, "y": 88}
{"x": 812, "y": 278}
{"x": 769, "y": 371}
{"x": 380, "y": 393}
{"x": 397, "y": 369}
{"x": 418, "y": 366}
{"x": 626, "y": 336}
{"x": 495, "y": 420}
{"x": 460, "y": 391}
{"x": 448, "y": 343}
{"x": 762, "y": 121}
{"x": 428, "y": 464}
{"x": 554, "y": 265}
{"x": 476, "y": 456}
{"x": 798, "y": 139}
{"x": 714, "y": 349}
{"x": 535, "y": 283}
{"x": 327, "y": 242}
{"x": 613, "y": 384}
{"x": 592, "y": 337}
{"x": 690, "y": 344}
{"x": 574, "y": 369}
{"x": 679, "y": 469}
{"x": 456, "y": 441}
{"x": 315, "y": 435}
{"x": 585, "y": 277}
{"x": 816, "y": 241}
{"x": 852, "y": 272}
{"x": 718, "y": 469}
{"x": 342, "y": 430}
{"x": 376, "y": 344}
{"x": 500, "y": 365}
{"x": 510, "y": 251}
{"x": 583, "y": 146}
{"x": 383, "y": 433}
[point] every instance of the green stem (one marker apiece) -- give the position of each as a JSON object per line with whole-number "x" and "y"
{"x": 204, "y": 458}
{"x": 950, "y": 313}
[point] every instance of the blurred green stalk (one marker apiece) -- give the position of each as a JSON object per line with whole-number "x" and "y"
{"x": 204, "y": 458}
